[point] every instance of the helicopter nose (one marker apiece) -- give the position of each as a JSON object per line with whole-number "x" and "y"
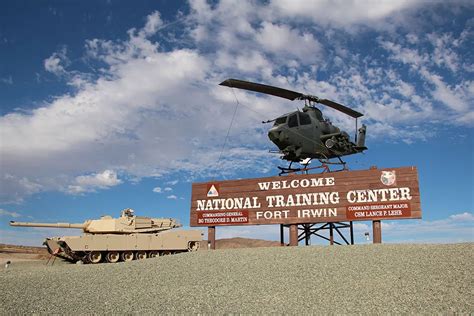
{"x": 274, "y": 135}
{"x": 278, "y": 137}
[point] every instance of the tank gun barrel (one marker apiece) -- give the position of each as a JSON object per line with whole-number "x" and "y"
{"x": 52, "y": 225}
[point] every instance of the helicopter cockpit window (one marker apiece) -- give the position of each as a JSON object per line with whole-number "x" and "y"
{"x": 319, "y": 114}
{"x": 293, "y": 121}
{"x": 304, "y": 118}
{"x": 280, "y": 120}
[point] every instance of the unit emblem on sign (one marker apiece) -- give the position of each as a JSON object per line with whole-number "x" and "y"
{"x": 212, "y": 190}
{"x": 388, "y": 177}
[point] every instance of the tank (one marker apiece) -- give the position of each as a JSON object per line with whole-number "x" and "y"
{"x": 126, "y": 238}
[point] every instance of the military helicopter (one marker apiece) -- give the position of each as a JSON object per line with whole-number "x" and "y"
{"x": 305, "y": 134}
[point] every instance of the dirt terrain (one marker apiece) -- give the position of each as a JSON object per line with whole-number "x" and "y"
{"x": 360, "y": 279}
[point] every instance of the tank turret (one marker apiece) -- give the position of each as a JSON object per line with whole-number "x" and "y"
{"x": 127, "y": 223}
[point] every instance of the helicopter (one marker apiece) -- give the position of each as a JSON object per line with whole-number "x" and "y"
{"x": 305, "y": 134}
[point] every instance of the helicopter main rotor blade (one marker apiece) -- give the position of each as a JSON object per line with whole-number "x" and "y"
{"x": 288, "y": 94}
{"x": 262, "y": 88}
{"x": 342, "y": 108}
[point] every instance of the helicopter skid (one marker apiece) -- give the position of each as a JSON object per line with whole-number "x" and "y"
{"x": 325, "y": 166}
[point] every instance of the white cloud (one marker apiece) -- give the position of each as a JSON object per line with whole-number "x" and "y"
{"x": 341, "y": 13}
{"x": 463, "y": 217}
{"x": 106, "y": 118}
{"x": 9, "y": 214}
{"x": 7, "y": 80}
{"x": 90, "y": 183}
{"x": 247, "y": 62}
{"x": 15, "y": 188}
{"x": 56, "y": 62}
{"x": 412, "y": 38}
{"x": 168, "y": 189}
{"x": 172, "y": 182}
{"x": 405, "y": 55}
{"x": 455, "y": 228}
{"x": 172, "y": 197}
{"x": 281, "y": 38}
{"x": 157, "y": 190}
{"x": 452, "y": 97}
{"x": 144, "y": 100}
{"x": 456, "y": 98}
{"x": 443, "y": 54}
{"x": 153, "y": 22}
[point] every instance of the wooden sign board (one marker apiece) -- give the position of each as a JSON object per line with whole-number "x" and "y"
{"x": 361, "y": 195}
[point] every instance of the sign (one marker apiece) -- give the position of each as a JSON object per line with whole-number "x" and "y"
{"x": 360, "y": 195}
{"x": 219, "y": 218}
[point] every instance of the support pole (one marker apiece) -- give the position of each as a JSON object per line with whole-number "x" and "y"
{"x": 377, "y": 232}
{"x": 282, "y": 236}
{"x": 211, "y": 236}
{"x": 352, "y": 232}
{"x": 293, "y": 235}
{"x": 307, "y": 235}
{"x": 331, "y": 234}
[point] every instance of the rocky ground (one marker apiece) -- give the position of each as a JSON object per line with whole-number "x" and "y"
{"x": 318, "y": 279}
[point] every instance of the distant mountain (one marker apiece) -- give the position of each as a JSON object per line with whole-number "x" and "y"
{"x": 244, "y": 243}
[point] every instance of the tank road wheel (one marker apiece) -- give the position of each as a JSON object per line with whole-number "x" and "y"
{"x": 153, "y": 254}
{"x": 113, "y": 256}
{"x": 141, "y": 255}
{"x": 127, "y": 256}
{"x": 193, "y": 245}
{"x": 95, "y": 256}
{"x": 166, "y": 252}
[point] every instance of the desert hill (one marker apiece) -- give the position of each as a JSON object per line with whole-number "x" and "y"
{"x": 21, "y": 253}
{"x": 238, "y": 242}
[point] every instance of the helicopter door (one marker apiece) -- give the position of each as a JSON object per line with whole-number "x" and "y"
{"x": 294, "y": 137}
{"x": 306, "y": 131}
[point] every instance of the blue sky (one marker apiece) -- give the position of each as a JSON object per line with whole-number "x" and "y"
{"x": 113, "y": 104}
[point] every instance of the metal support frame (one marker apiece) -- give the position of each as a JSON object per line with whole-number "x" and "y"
{"x": 282, "y": 235}
{"x": 307, "y": 230}
{"x": 334, "y": 230}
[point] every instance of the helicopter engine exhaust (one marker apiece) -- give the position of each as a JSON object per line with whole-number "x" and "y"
{"x": 361, "y": 137}
{"x": 330, "y": 143}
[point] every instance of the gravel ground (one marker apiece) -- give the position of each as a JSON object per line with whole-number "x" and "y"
{"x": 285, "y": 280}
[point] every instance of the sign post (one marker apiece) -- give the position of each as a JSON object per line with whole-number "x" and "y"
{"x": 293, "y": 235}
{"x": 211, "y": 236}
{"x": 377, "y": 232}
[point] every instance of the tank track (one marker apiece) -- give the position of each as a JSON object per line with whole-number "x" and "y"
{"x": 94, "y": 257}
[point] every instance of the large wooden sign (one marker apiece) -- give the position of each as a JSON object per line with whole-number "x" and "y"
{"x": 361, "y": 195}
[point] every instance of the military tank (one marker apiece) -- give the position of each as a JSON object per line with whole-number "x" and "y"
{"x": 126, "y": 238}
